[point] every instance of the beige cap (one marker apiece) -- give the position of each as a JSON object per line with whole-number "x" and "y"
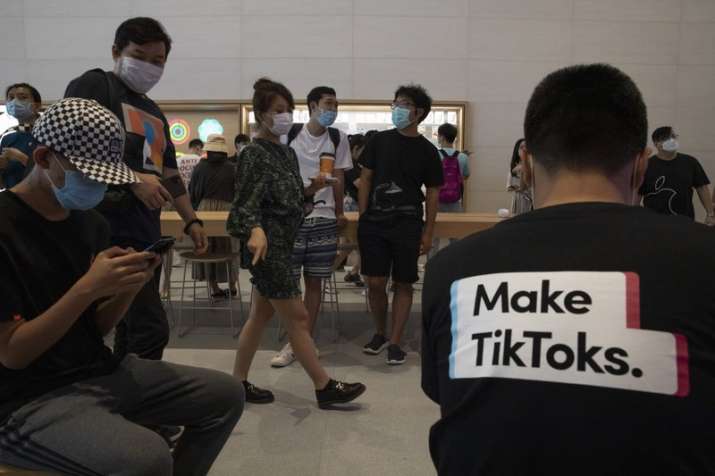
{"x": 216, "y": 143}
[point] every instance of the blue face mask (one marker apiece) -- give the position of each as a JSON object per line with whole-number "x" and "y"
{"x": 327, "y": 118}
{"x": 401, "y": 117}
{"x": 79, "y": 192}
{"x": 20, "y": 110}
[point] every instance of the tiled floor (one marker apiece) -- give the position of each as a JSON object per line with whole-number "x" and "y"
{"x": 384, "y": 433}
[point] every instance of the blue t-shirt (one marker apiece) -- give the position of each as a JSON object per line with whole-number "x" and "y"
{"x": 148, "y": 150}
{"x": 463, "y": 160}
{"x": 19, "y": 138}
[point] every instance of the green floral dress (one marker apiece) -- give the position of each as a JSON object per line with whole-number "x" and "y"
{"x": 269, "y": 194}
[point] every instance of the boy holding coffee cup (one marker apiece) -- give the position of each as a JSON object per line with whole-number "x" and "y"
{"x": 323, "y": 154}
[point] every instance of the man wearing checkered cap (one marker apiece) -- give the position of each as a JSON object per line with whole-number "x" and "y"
{"x": 67, "y": 404}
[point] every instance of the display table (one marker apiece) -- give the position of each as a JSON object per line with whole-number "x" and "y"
{"x": 448, "y": 225}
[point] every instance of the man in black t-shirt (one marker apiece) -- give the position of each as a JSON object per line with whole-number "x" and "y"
{"x": 574, "y": 339}
{"x": 140, "y": 50}
{"x": 671, "y": 178}
{"x": 396, "y": 164}
{"x": 67, "y": 405}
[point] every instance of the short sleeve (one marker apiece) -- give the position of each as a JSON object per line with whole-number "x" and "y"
{"x": 700, "y": 178}
{"x": 433, "y": 169}
{"x": 464, "y": 164}
{"x": 428, "y": 354}
{"x": 368, "y": 158}
{"x": 343, "y": 158}
{"x": 170, "y": 151}
{"x": 91, "y": 85}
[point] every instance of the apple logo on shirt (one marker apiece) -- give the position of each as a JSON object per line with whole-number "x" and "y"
{"x": 660, "y": 189}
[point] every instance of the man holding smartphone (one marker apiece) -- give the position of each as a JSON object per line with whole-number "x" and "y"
{"x": 140, "y": 50}
{"x": 67, "y": 405}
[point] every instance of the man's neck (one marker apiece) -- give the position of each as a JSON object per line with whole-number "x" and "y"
{"x": 39, "y": 196}
{"x": 410, "y": 131}
{"x": 447, "y": 145}
{"x": 570, "y": 187}
{"x": 315, "y": 129}
{"x": 663, "y": 155}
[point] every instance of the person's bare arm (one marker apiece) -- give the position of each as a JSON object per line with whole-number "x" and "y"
{"x": 186, "y": 211}
{"x": 339, "y": 196}
{"x": 431, "y": 205}
{"x": 706, "y": 200}
{"x": 364, "y": 189}
{"x": 113, "y": 271}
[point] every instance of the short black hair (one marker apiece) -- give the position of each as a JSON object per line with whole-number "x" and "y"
{"x": 317, "y": 93}
{"x": 448, "y": 131}
{"x": 265, "y": 90}
{"x": 141, "y": 30}
{"x": 196, "y": 142}
{"x": 419, "y": 96}
{"x": 33, "y": 91}
{"x": 241, "y": 138}
{"x": 662, "y": 134}
{"x": 515, "y": 157}
{"x": 586, "y": 117}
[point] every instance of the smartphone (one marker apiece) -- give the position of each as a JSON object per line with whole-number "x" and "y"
{"x": 174, "y": 185}
{"x": 162, "y": 246}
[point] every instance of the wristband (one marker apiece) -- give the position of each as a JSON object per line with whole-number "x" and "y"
{"x": 188, "y": 225}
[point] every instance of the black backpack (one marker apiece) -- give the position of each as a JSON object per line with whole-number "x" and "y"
{"x": 332, "y": 132}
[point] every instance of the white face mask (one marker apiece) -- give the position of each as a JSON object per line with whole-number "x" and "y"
{"x": 671, "y": 145}
{"x": 138, "y": 75}
{"x": 282, "y": 123}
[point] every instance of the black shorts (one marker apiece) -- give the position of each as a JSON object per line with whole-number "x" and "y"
{"x": 390, "y": 244}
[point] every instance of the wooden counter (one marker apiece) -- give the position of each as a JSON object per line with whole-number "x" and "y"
{"x": 448, "y": 225}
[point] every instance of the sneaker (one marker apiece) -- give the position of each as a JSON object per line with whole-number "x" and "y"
{"x": 257, "y": 395}
{"x": 338, "y": 392}
{"x": 395, "y": 355}
{"x": 376, "y": 345}
{"x": 283, "y": 358}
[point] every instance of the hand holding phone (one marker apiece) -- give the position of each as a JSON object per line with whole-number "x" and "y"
{"x": 162, "y": 246}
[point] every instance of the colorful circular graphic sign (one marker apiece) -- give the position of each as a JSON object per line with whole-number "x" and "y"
{"x": 209, "y": 126}
{"x": 179, "y": 130}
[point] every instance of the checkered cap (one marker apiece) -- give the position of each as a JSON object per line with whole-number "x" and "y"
{"x": 89, "y": 136}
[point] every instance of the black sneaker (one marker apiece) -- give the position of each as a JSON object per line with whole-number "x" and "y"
{"x": 395, "y": 355}
{"x": 376, "y": 345}
{"x": 257, "y": 395}
{"x": 338, "y": 392}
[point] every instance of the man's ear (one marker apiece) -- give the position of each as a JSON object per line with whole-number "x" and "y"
{"x": 641, "y": 167}
{"x": 41, "y": 156}
{"x": 527, "y": 166}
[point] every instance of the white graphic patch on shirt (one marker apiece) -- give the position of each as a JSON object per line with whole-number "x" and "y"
{"x": 565, "y": 327}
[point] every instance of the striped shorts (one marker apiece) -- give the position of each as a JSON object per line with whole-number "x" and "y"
{"x": 316, "y": 247}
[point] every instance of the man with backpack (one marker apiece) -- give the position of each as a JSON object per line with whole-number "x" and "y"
{"x": 141, "y": 48}
{"x": 316, "y": 245}
{"x": 455, "y": 168}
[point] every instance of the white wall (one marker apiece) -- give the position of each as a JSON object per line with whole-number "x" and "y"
{"x": 488, "y": 52}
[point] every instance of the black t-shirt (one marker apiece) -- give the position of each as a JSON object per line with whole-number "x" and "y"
{"x": 148, "y": 149}
{"x": 350, "y": 177}
{"x": 575, "y": 339}
{"x": 401, "y": 165}
{"x": 668, "y": 185}
{"x": 40, "y": 261}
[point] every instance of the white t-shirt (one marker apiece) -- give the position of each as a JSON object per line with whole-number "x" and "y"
{"x": 186, "y": 164}
{"x": 308, "y": 150}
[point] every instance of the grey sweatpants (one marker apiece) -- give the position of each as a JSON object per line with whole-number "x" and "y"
{"x": 96, "y": 427}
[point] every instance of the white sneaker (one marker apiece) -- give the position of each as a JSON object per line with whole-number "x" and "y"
{"x": 283, "y": 358}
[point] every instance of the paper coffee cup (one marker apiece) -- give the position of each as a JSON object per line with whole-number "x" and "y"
{"x": 327, "y": 165}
